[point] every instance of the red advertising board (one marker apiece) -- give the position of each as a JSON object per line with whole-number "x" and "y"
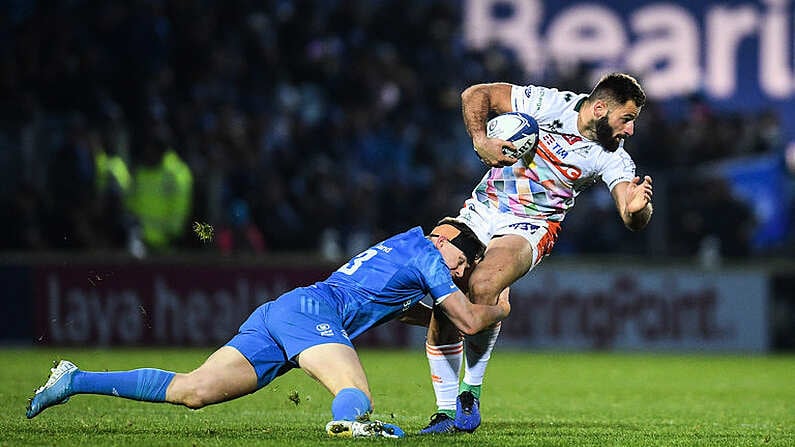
{"x": 79, "y": 305}
{"x": 558, "y": 307}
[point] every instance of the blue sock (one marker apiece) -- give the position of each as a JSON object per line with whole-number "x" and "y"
{"x": 145, "y": 384}
{"x": 349, "y": 404}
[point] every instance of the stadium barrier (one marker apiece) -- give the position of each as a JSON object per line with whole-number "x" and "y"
{"x": 561, "y": 305}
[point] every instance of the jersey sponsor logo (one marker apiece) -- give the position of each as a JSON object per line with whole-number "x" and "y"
{"x": 524, "y": 226}
{"x": 383, "y": 248}
{"x": 571, "y": 139}
{"x": 466, "y": 213}
{"x": 540, "y": 100}
{"x": 555, "y": 146}
{"x": 325, "y": 329}
{"x": 571, "y": 172}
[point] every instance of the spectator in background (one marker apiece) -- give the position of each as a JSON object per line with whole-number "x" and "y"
{"x": 256, "y": 91}
{"x": 767, "y": 133}
{"x": 696, "y": 134}
{"x": 71, "y": 181}
{"x": 715, "y": 220}
{"x": 727, "y": 218}
{"x": 239, "y": 234}
{"x": 113, "y": 182}
{"x": 161, "y": 194}
{"x": 21, "y": 220}
{"x": 276, "y": 214}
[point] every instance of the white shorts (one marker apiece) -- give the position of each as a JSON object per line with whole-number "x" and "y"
{"x": 488, "y": 222}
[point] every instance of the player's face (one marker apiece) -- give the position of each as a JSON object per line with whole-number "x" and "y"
{"x": 616, "y": 125}
{"x": 455, "y": 259}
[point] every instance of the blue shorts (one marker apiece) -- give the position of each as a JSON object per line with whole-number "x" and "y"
{"x": 277, "y": 331}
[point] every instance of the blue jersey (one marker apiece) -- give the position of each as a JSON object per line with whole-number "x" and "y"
{"x": 385, "y": 280}
{"x": 374, "y": 287}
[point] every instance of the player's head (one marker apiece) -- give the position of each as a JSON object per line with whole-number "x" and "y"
{"x": 616, "y": 101}
{"x": 458, "y": 244}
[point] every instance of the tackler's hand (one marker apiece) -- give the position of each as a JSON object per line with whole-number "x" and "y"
{"x": 504, "y": 303}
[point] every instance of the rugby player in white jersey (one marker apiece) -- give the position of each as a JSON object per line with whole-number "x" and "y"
{"x": 518, "y": 206}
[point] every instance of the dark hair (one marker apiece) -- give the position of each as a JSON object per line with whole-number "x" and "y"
{"x": 618, "y": 87}
{"x": 462, "y": 237}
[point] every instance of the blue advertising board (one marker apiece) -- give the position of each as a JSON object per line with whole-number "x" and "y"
{"x": 738, "y": 54}
{"x": 760, "y": 182}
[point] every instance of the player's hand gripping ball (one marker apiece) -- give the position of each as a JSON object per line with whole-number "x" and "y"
{"x": 519, "y": 128}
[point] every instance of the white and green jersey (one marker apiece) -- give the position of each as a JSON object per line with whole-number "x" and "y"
{"x": 544, "y": 183}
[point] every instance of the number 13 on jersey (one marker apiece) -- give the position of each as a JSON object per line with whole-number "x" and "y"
{"x": 356, "y": 262}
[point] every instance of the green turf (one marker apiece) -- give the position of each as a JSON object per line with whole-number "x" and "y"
{"x": 528, "y": 399}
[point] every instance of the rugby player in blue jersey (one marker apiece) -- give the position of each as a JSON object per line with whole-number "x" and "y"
{"x": 311, "y": 328}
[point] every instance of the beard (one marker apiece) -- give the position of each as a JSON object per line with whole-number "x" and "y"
{"x": 604, "y": 135}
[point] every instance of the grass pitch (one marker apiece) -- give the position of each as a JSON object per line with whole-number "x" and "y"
{"x": 529, "y": 399}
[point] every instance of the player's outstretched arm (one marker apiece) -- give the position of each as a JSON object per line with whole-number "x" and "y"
{"x": 633, "y": 201}
{"x": 472, "y": 318}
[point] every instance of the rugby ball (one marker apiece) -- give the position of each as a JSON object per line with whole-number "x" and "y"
{"x": 519, "y": 128}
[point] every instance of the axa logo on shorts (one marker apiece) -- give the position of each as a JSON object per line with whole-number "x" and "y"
{"x": 325, "y": 330}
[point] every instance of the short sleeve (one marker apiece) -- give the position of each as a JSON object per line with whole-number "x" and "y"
{"x": 619, "y": 168}
{"x": 527, "y": 99}
{"x": 542, "y": 103}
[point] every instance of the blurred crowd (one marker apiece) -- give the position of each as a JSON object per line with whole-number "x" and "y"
{"x": 306, "y": 125}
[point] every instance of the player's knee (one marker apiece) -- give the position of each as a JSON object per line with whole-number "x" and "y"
{"x": 191, "y": 392}
{"x": 197, "y": 397}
